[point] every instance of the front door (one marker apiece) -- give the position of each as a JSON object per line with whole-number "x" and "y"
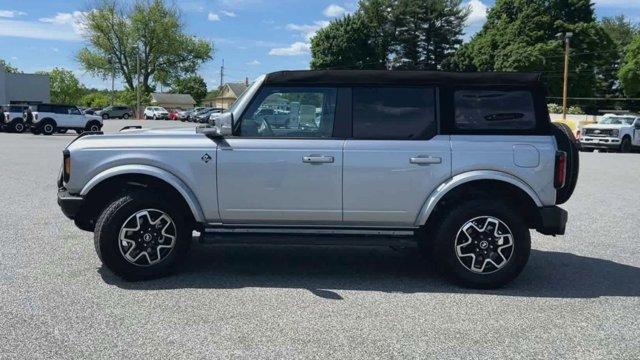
{"x": 283, "y": 172}
{"x": 395, "y": 158}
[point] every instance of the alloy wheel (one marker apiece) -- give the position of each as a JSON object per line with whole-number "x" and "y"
{"x": 147, "y": 237}
{"x": 484, "y": 245}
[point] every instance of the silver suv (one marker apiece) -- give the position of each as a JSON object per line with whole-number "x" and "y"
{"x": 464, "y": 165}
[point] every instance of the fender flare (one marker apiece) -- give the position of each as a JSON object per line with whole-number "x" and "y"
{"x": 153, "y": 171}
{"x": 466, "y": 177}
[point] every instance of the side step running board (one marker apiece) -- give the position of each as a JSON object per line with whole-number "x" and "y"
{"x": 296, "y": 236}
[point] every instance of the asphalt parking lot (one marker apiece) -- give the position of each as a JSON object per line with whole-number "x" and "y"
{"x": 579, "y": 296}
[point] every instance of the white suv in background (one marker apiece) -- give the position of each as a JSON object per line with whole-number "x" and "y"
{"x": 49, "y": 118}
{"x": 612, "y": 132}
{"x": 155, "y": 113}
{"x": 13, "y": 119}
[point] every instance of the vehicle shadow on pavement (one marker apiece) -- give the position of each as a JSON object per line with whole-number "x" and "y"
{"x": 327, "y": 271}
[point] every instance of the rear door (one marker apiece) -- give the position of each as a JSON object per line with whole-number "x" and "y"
{"x": 395, "y": 157}
{"x": 283, "y": 175}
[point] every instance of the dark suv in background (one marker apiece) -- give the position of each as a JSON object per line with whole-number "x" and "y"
{"x": 115, "y": 112}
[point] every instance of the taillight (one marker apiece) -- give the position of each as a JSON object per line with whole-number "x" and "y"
{"x": 561, "y": 170}
{"x": 66, "y": 165}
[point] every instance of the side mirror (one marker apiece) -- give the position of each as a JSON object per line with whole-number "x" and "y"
{"x": 219, "y": 126}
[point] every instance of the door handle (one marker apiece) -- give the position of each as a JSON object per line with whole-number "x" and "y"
{"x": 425, "y": 160}
{"x": 317, "y": 159}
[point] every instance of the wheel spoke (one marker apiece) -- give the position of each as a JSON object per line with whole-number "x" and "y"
{"x": 147, "y": 237}
{"x": 484, "y": 244}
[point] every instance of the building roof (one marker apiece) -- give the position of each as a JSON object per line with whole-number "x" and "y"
{"x": 177, "y": 99}
{"x": 389, "y": 77}
{"x": 237, "y": 88}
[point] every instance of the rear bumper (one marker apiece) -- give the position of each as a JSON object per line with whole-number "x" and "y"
{"x": 552, "y": 220}
{"x": 70, "y": 204}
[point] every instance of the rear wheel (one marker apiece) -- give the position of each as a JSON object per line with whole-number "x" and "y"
{"x": 93, "y": 126}
{"x": 482, "y": 244}
{"x": 105, "y": 116}
{"x": 141, "y": 236}
{"x": 125, "y": 116}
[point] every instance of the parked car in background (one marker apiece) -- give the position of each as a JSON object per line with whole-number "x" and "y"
{"x": 174, "y": 113}
{"x": 115, "y": 112}
{"x": 613, "y": 132}
{"x": 213, "y": 115}
{"x": 48, "y": 119}
{"x": 13, "y": 118}
{"x": 203, "y": 116}
{"x": 155, "y": 113}
{"x": 193, "y": 117}
{"x": 183, "y": 115}
{"x": 381, "y": 167}
{"x": 91, "y": 111}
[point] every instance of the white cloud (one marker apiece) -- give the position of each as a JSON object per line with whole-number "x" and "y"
{"x": 213, "y": 17}
{"x": 295, "y": 49}
{"x": 228, "y": 13}
{"x": 478, "y": 15}
{"x": 38, "y": 30}
{"x": 74, "y": 20}
{"x": 254, "y": 63}
{"x": 11, "y": 13}
{"x": 308, "y": 30}
{"x": 334, "y": 10}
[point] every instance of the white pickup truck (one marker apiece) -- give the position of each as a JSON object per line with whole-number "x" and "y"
{"x": 612, "y": 132}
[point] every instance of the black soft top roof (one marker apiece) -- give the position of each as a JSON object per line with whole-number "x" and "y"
{"x": 388, "y": 77}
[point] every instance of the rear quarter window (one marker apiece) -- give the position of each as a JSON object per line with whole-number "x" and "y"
{"x": 494, "y": 110}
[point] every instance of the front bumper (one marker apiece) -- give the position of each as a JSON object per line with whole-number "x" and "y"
{"x": 600, "y": 142}
{"x": 552, "y": 220}
{"x": 70, "y": 204}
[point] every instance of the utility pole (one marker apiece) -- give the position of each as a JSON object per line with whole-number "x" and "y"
{"x": 138, "y": 85}
{"x": 222, "y": 74}
{"x": 113, "y": 75}
{"x": 565, "y": 86}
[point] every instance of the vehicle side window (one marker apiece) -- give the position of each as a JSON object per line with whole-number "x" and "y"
{"x": 291, "y": 113}
{"x": 398, "y": 113}
{"x": 74, "y": 111}
{"x": 494, "y": 110}
{"x": 45, "y": 108}
{"x": 61, "y": 109}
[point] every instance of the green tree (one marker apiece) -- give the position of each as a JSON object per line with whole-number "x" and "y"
{"x": 344, "y": 44}
{"x": 402, "y": 34}
{"x": 193, "y": 85}
{"x": 95, "y": 99}
{"x": 630, "y": 70}
{"x": 520, "y": 35}
{"x": 64, "y": 86}
{"x": 427, "y": 32}
{"x": 148, "y": 30}
{"x": 621, "y": 30}
{"x": 129, "y": 97}
{"x": 6, "y": 67}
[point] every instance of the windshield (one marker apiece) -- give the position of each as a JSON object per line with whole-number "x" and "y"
{"x": 617, "y": 120}
{"x": 239, "y": 100}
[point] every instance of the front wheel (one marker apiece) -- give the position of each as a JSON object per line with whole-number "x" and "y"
{"x": 105, "y": 116}
{"x": 625, "y": 146}
{"x": 48, "y": 128}
{"x": 125, "y": 116}
{"x": 18, "y": 127}
{"x": 482, "y": 243}
{"x": 141, "y": 236}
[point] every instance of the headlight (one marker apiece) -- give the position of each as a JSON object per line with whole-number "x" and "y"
{"x": 615, "y": 132}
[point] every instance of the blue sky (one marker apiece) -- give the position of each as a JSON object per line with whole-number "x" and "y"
{"x": 252, "y": 36}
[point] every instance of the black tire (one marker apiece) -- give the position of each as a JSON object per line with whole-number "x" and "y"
{"x": 79, "y": 131}
{"x": 625, "y": 146}
{"x": 35, "y": 131}
{"x": 48, "y": 128}
{"x": 18, "y": 127}
{"x": 93, "y": 126}
{"x": 449, "y": 229}
{"x": 125, "y": 116}
{"x": 105, "y": 116}
{"x": 117, "y": 215}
